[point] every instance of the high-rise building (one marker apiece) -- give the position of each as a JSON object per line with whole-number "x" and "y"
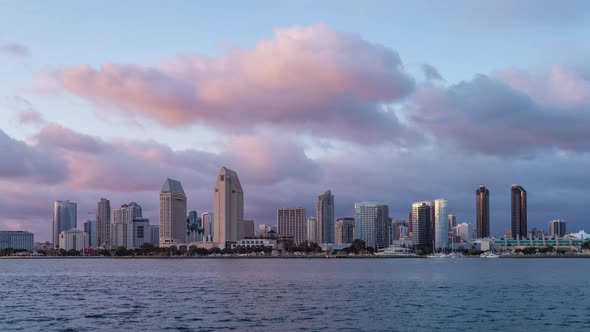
{"x": 172, "y": 213}
{"x": 325, "y": 216}
{"x": 90, "y": 227}
{"x": 452, "y": 221}
{"x": 207, "y": 219}
{"x": 122, "y": 227}
{"x": 194, "y": 227}
{"x": 228, "y": 215}
{"x": 73, "y": 239}
{"x": 557, "y": 227}
{"x": 371, "y": 224}
{"x": 291, "y": 223}
{"x": 423, "y": 223}
{"x": 312, "y": 227}
{"x": 155, "y": 234}
{"x": 482, "y": 207}
{"x": 399, "y": 229}
{"x": 519, "y": 211}
{"x": 65, "y": 215}
{"x": 409, "y": 223}
{"x": 16, "y": 240}
{"x": 465, "y": 232}
{"x": 103, "y": 223}
{"x": 441, "y": 224}
{"x": 344, "y": 230}
{"x": 141, "y": 232}
{"x": 248, "y": 229}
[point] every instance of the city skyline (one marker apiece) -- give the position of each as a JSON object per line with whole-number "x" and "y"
{"x": 299, "y": 103}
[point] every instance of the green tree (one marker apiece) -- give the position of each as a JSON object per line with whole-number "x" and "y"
{"x": 120, "y": 251}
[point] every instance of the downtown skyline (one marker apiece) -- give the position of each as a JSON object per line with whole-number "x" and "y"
{"x": 298, "y": 104}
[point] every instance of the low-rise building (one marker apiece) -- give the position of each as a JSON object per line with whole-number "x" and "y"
{"x": 254, "y": 243}
{"x": 73, "y": 239}
{"x": 16, "y": 240}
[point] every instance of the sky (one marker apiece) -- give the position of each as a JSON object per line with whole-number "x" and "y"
{"x": 388, "y": 101}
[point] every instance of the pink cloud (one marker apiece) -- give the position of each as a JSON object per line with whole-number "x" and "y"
{"x": 313, "y": 79}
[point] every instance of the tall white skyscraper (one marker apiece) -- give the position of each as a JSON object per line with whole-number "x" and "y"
{"x": 65, "y": 215}
{"x": 103, "y": 223}
{"x": 229, "y": 208}
{"x": 291, "y": 222}
{"x": 172, "y": 213}
{"x": 371, "y": 224}
{"x": 312, "y": 235}
{"x": 325, "y": 215}
{"x": 441, "y": 224}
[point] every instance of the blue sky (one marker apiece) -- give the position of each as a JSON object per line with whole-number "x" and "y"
{"x": 546, "y": 40}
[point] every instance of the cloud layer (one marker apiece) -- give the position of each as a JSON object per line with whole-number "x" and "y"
{"x": 313, "y": 80}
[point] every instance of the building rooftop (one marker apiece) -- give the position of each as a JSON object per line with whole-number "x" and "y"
{"x": 173, "y": 186}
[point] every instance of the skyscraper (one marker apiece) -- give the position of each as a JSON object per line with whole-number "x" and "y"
{"x": 207, "y": 218}
{"x": 172, "y": 213}
{"x": 229, "y": 208}
{"x": 155, "y": 234}
{"x": 325, "y": 215}
{"x": 65, "y": 215}
{"x": 557, "y": 228}
{"x": 141, "y": 232}
{"x": 122, "y": 227}
{"x": 452, "y": 221}
{"x": 91, "y": 230}
{"x": 194, "y": 227}
{"x": 291, "y": 222}
{"x": 441, "y": 224}
{"x": 312, "y": 227}
{"x": 371, "y": 221}
{"x": 344, "y": 230}
{"x": 422, "y": 223}
{"x": 248, "y": 229}
{"x": 103, "y": 223}
{"x": 519, "y": 211}
{"x": 482, "y": 207}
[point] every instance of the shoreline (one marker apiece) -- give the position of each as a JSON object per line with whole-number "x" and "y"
{"x": 283, "y": 257}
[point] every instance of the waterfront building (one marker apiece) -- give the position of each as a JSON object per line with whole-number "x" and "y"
{"x": 507, "y": 233}
{"x": 482, "y": 207}
{"x": 518, "y": 203}
{"x": 73, "y": 239}
{"x": 248, "y": 229}
{"x": 172, "y": 213}
{"x": 465, "y": 231}
{"x": 536, "y": 233}
{"x": 254, "y": 243}
{"x": 194, "y": 227}
{"x": 228, "y": 215}
{"x": 423, "y": 223}
{"x": 141, "y": 232}
{"x": 312, "y": 227}
{"x": 557, "y": 227}
{"x": 155, "y": 235}
{"x": 91, "y": 228}
{"x": 371, "y": 224}
{"x": 103, "y": 223}
{"x": 291, "y": 222}
{"x": 441, "y": 224}
{"x": 207, "y": 219}
{"x": 65, "y": 215}
{"x": 344, "y": 230}
{"x": 325, "y": 217}
{"x": 16, "y": 240}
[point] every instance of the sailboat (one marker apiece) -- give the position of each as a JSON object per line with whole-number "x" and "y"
{"x": 438, "y": 254}
{"x": 489, "y": 254}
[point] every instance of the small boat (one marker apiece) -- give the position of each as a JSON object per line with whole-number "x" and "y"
{"x": 438, "y": 255}
{"x": 489, "y": 254}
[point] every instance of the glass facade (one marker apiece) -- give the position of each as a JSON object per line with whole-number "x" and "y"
{"x": 371, "y": 224}
{"x": 441, "y": 223}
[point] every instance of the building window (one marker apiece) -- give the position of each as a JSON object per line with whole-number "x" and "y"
{"x": 221, "y": 178}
